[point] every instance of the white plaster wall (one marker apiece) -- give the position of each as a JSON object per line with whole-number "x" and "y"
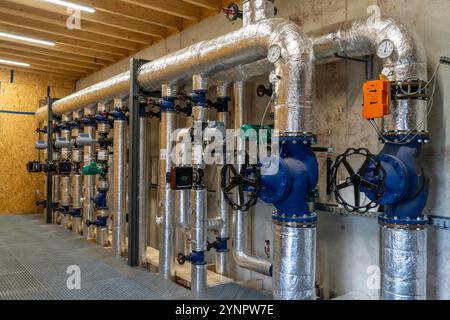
{"x": 346, "y": 246}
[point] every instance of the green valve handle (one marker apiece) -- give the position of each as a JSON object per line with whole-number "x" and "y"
{"x": 248, "y": 132}
{"x": 92, "y": 169}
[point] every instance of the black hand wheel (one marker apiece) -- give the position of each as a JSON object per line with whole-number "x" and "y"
{"x": 247, "y": 179}
{"x": 358, "y": 180}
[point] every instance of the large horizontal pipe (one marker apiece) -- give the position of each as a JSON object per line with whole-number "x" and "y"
{"x": 244, "y": 46}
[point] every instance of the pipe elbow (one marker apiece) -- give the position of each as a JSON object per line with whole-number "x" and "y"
{"x": 255, "y": 264}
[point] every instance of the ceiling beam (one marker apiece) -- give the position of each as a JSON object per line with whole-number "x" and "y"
{"x": 52, "y": 52}
{"x": 176, "y": 8}
{"x": 104, "y": 18}
{"x": 206, "y": 4}
{"x": 57, "y": 19}
{"x": 117, "y": 52}
{"x": 23, "y": 52}
{"x": 40, "y": 71}
{"x": 51, "y": 65}
{"x": 16, "y": 18}
{"x": 135, "y": 12}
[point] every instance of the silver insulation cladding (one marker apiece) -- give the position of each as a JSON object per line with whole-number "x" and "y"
{"x": 257, "y": 10}
{"x": 88, "y": 186}
{"x": 403, "y": 263}
{"x": 66, "y": 198}
{"x": 294, "y": 263}
{"x": 77, "y": 185}
{"x": 56, "y": 188}
{"x": 166, "y": 199}
{"x": 360, "y": 37}
{"x": 119, "y": 188}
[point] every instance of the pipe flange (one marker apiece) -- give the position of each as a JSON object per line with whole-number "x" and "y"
{"x": 410, "y": 224}
{"x": 305, "y": 221}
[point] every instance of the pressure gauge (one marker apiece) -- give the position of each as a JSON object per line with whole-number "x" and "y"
{"x": 274, "y": 54}
{"x": 385, "y": 49}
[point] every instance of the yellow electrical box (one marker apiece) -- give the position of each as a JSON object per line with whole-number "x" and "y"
{"x": 376, "y": 98}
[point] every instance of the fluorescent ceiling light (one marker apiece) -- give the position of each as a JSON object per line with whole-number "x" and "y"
{"x": 28, "y": 39}
{"x": 14, "y": 63}
{"x": 72, "y": 5}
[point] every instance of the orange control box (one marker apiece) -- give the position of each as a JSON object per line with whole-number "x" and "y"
{"x": 376, "y": 98}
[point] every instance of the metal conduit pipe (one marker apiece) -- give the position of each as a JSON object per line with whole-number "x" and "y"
{"x": 119, "y": 188}
{"x": 223, "y": 210}
{"x": 199, "y": 218}
{"x": 242, "y": 258}
{"x": 143, "y": 183}
{"x": 166, "y": 200}
{"x": 88, "y": 184}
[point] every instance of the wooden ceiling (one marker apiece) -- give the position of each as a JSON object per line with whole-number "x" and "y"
{"x": 116, "y": 30}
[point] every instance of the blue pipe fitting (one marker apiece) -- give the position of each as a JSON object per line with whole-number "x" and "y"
{"x": 75, "y": 213}
{"x": 288, "y": 178}
{"x": 222, "y": 245}
{"x": 88, "y": 121}
{"x": 99, "y": 222}
{"x": 143, "y": 110}
{"x": 406, "y": 186}
{"x": 100, "y": 200}
{"x": 168, "y": 104}
{"x": 101, "y": 118}
{"x": 197, "y": 258}
{"x": 118, "y": 114}
{"x": 198, "y": 98}
{"x": 221, "y": 105}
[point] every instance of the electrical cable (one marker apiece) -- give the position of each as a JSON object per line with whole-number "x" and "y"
{"x": 272, "y": 98}
{"x": 424, "y": 87}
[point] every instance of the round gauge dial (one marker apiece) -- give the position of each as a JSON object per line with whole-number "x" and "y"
{"x": 385, "y": 49}
{"x": 274, "y": 54}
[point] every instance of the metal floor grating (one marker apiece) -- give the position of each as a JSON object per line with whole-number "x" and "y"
{"x": 34, "y": 257}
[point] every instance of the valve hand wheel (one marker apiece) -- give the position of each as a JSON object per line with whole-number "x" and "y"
{"x": 232, "y": 12}
{"x": 247, "y": 179}
{"x": 370, "y": 178}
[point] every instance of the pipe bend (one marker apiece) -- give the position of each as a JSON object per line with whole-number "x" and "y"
{"x": 252, "y": 263}
{"x": 359, "y": 37}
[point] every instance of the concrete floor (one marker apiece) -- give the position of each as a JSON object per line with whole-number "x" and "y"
{"x": 34, "y": 258}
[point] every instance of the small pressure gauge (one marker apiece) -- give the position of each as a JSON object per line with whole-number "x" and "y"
{"x": 274, "y": 54}
{"x": 385, "y": 49}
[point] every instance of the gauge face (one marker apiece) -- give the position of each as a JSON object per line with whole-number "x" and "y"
{"x": 385, "y": 49}
{"x": 274, "y": 54}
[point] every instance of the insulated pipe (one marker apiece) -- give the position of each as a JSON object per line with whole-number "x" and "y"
{"x": 360, "y": 37}
{"x": 403, "y": 263}
{"x": 88, "y": 185}
{"x": 143, "y": 183}
{"x": 119, "y": 188}
{"x": 221, "y": 258}
{"x": 294, "y": 262}
{"x": 243, "y": 259}
{"x": 198, "y": 241}
{"x": 166, "y": 201}
{"x": 246, "y": 45}
{"x": 257, "y": 10}
{"x": 199, "y": 217}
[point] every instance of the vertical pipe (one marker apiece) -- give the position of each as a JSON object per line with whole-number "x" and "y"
{"x": 89, "y": 186}
{"x": 294, "y": 262}
{"x": 257, "y": 10}
{"x": 143, "y": 183}
{"x": 198, "y": 241}
{"x": 119, "y": 188}
{"x": 49, "y": 215}
{"x": 243, "y": 259}
{"x": 403, "y": 263}
{"x": 166, "y": 203}
{"x": 222, "y": 258}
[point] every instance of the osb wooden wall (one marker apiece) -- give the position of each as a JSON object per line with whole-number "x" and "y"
{"x": 18, "y": 188}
